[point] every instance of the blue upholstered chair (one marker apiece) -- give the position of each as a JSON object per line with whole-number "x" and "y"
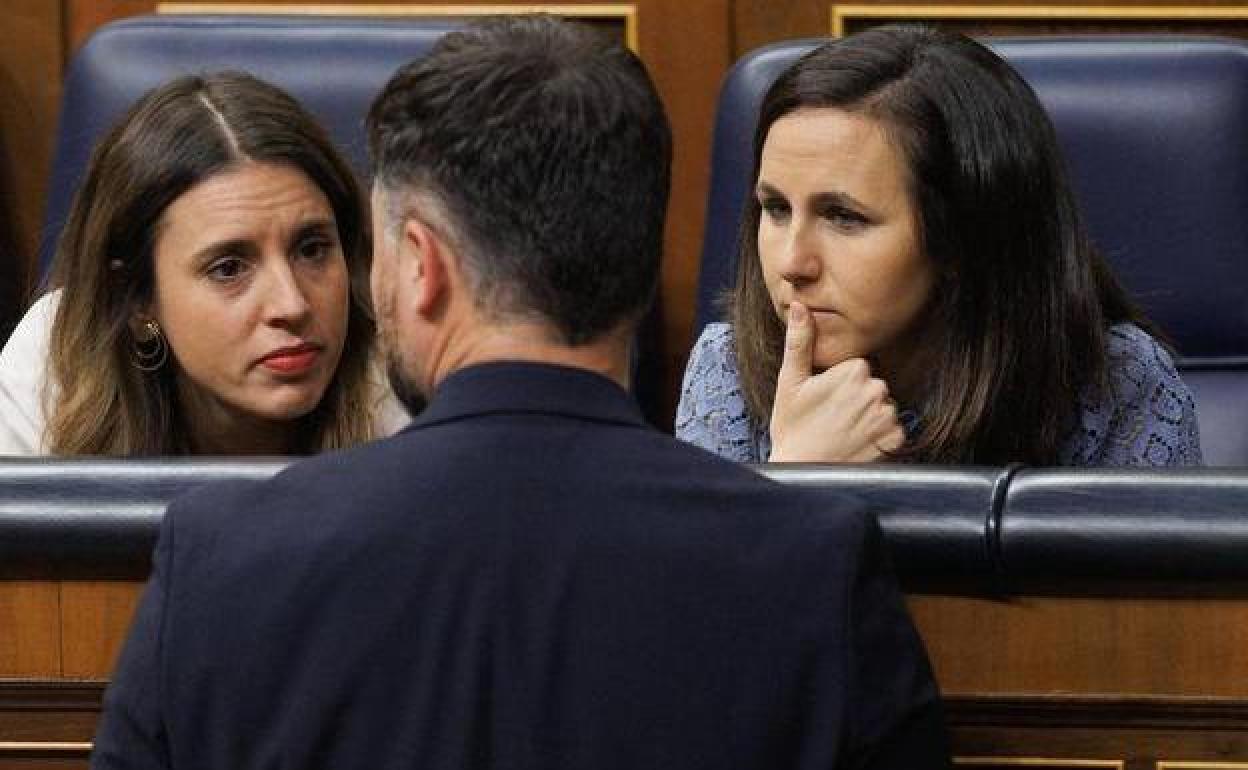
{"x": 333, "y": 65}
{"x": 1155, "y": 132}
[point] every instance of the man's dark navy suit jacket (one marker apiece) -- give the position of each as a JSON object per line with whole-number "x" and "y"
{"x": 528, "y": 577}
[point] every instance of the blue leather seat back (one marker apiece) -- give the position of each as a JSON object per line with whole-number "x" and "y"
{"x": 333, "y": 65}
{"x": 1155, "y": 132}
{"x": 1222, "y": 407}
{"x": 1153, "y": 129}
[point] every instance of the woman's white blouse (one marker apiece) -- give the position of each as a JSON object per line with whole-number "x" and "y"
{"x": 23, "y": 369}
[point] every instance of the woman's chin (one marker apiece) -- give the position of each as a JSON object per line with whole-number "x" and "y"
{"x": 289, "y": 403}
{"x": 829, "y": 353}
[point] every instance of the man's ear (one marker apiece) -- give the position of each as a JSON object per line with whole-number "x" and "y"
{"x": 431, "y": 263}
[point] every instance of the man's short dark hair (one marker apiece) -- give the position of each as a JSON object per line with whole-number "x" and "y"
{"x": 548, "y": 151}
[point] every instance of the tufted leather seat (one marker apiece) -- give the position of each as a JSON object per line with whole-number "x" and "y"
{"x": 1152, "y": 128}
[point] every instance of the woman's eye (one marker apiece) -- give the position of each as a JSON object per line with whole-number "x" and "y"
{"x": 314, "y": 249}
{"x": 775, "y": 209}
{"x": 227, "y": 269}
{"x": 845, "y": 219}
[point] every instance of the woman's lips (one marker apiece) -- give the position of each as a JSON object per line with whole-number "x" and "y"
{"x": 812, "y": 309}
{"x": 289, "y": 361}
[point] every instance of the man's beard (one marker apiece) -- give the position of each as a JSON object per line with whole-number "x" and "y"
{"x": 405, "y": 388}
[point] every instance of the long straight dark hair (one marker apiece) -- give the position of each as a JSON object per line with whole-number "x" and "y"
{"x": 1022, "y": 300}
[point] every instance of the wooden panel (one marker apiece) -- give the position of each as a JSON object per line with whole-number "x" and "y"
{"x": 687, "y": 48}
{"x": 1137, "y": 731}
{"x": 1051, "y": 645}
{"x": 759, "y": 22}
{"x": 30, "y": 76}
{"x": 615, "y": 19}
{"x": 95, "y": 617}
{"x": 82, "y": 17}
{"x": 47, "y": 725}
{"x": 1047, "y": 19}
{"x": 34, "y": 759}
{"x": 1037, "y": 763}
{"x": 1085, "y": 673}
{"x": 54, "y": 721}
{"x": 979, "y": 647}
{"x": 30, "y": 619}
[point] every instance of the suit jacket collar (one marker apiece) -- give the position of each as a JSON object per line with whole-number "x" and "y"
{"x": 521, "y": 386}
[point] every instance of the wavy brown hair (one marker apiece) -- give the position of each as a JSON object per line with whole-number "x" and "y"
{"x": 172, "y": 139}
{"x": 1022, "y": 300}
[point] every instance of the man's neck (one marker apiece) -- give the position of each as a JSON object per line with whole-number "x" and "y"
{"x": 535, "y": 343}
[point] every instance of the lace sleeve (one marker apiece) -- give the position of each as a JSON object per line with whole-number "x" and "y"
{"x": 712, "y": 413}
{"x": 1148, "y": 416}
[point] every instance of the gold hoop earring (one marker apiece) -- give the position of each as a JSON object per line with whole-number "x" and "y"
{"x": 150, "y": 350}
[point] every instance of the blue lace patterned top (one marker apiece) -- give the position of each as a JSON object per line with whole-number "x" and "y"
{"x": 1147, "y": 416}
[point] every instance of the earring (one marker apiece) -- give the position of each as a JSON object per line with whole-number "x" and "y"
{"x": 149, "y": 351}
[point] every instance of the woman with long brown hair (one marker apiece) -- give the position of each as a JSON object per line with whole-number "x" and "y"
{"x": 207, "y": 290}
{"x": 915, "y": 282}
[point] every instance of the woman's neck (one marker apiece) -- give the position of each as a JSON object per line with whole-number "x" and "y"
{"x": 908, "y": 367}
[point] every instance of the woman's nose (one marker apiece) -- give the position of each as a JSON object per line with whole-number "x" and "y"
{"x": 285, "y": 300}
{"x": 800, "y": 262}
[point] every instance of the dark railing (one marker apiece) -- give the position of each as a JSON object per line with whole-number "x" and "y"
{"x": 987, "y": 530}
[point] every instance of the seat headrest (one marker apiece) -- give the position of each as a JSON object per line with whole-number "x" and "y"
{"x": 1153, "y": 134}
{"x": 333, "y": 65}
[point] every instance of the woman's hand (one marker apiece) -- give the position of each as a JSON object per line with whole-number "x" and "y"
{"x": 842, "y": 414}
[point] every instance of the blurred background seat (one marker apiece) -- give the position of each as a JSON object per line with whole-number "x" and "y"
{"x": 333, "y": 65}
{"x": 1153, "y": 129}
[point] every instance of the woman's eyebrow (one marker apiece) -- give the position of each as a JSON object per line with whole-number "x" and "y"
{"x": 318, "y": 226}
{"x": 821, "y": 200}
{"x": 842, "y": 200}
{"x": 765, "y": 190}
{"x": 240, "y": 246}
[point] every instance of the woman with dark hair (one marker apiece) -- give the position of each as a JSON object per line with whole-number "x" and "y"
{"x": 915, "y": 282}
{"x": 203, "y": 299}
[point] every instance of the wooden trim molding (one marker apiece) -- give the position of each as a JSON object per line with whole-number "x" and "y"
{"x": 1171, "y": 765}
{"x": 841, "y": 15}
{"x": 1090, "y": 764}
{"x": 48, "y": 719}
{"x": 626, "y": 12}
{"x": 55, "y": 719}
{"x": 51, "y": 694}
{"x": 1099, "y": 711}
{"x": 16, "y": 749}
